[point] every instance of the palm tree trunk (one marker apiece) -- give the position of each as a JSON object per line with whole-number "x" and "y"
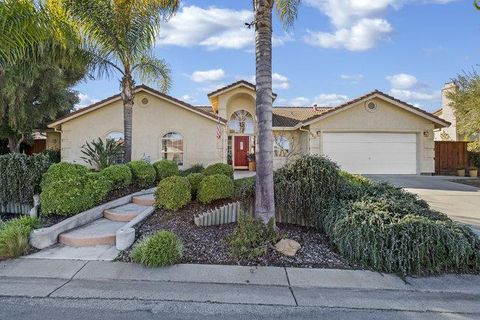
{"x": 127, "y": 97}
{"x": 264, "y": 197}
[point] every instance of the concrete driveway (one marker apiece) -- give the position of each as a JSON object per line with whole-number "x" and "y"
{"x": 459, "y": 201}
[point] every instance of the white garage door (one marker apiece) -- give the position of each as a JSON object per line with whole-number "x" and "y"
{"x": 372, "y": 153}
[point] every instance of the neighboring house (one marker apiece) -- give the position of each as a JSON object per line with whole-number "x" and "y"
{"x": 447, "y": 112}
{"x": 374, "y": 133}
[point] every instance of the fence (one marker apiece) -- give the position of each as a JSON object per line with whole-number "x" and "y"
{"x": 449, "y": 156}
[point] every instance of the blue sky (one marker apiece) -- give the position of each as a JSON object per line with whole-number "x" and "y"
{"x": 337, "y": 50}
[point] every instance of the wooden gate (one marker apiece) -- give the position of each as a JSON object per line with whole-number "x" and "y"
{"x": 450, "y": 155}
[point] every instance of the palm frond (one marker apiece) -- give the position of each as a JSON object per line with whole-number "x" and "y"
{"x": 287, "y": 11}
{"x": 151, "y": 69}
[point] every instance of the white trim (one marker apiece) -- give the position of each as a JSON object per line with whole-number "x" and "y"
{"x": 379, "y": 96}
{"x": 114, "y": 99}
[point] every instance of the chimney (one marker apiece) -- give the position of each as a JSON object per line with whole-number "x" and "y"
{"x": 448, "y": 111}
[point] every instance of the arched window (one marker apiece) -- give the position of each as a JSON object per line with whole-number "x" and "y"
{"x": 115, "y": 136}
{"x": 281, "y": 147}
{"x": 241, "y": 122}
{"x": 172, "y": 147}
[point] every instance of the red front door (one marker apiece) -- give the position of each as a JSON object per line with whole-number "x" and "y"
{"x": 241, "y": 151}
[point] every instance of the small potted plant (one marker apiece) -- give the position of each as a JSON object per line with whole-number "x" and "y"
{"x": 461, "y": 171}
{"x": 473, "y": 172}
{"x": 252, "y": 165}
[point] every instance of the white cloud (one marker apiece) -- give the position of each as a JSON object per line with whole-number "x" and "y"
{"x": 359, "y": 37}
{"x": 357, "y": 24}
{"x": 352, "y": 77}
{"x": 402, "y": 81}
{"x": 85, "y": 101}
{"x": 322, "y": 100}
{"x": 187, "y": 98}
{"x": 208, "y": 75}
{"x": 280, "y": 81}
{"x": 407, "y": 87}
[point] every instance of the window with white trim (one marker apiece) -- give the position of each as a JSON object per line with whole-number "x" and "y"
{"x": 172, "y": 147}
{"x": 241, "y": 122}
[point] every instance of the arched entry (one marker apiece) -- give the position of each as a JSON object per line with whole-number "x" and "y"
{"x": 241, "y": 127}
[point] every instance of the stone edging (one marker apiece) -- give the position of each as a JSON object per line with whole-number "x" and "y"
{"x": 45, "y": 237}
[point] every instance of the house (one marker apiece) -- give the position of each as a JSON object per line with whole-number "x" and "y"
{"x": 373, "y": 134}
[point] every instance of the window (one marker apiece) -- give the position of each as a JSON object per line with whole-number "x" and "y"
{"x": 281, "y": 146}
{"x": 172, "y": 147}
{"x": 241, "y": 122}
{"x": 115, "y": 136}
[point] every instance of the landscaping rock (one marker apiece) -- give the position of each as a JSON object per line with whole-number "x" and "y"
{"x": 287, "y": 247}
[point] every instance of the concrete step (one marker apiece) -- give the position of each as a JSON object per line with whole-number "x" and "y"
{"x": 145, "y": 200}
{"x": 98, "y": 232}
{"x": 124, "y": 213}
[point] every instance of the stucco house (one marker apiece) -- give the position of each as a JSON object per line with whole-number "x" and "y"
{"x": 373, "y": 134}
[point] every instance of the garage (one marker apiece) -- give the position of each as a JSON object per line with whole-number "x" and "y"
{"x": 372, "y": 153}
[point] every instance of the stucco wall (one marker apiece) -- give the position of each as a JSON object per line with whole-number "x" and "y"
{"x": 53, "y": 140}
{"x": 387, "y": 118}
{"x": 448, "y": 113}
{"x": 150, "y": 123}
{"x": 299, "y": 144}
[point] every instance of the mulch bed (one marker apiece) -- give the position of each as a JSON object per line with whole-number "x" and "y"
{"x": 209, "y": 245}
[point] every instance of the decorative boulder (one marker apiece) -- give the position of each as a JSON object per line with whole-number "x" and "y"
{"x": 287, "y": 247}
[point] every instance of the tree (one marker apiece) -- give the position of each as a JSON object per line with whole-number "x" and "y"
{"x": 287, "y": 12}
{"x": 32, "y": 94}
{"x": 466, "y": 102}
{"x": 120, "y": 36}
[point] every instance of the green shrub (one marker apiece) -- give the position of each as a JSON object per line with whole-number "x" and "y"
{"x": 53, "y": 155}
{"x": 164, "y": 248}
{"x": 251, "y": 238}
{"x": 381, "y": 234}
{"x": 14, "y": 236}
{"x": 219, "y": 168}
{"x": 119, "y": 175}
{"x": 173, "y": 193}
{"x": 196, "y": 168}
{"x": 165, "y": 169}
{"x": 68, "y": 189}
{"x": 20, "y": 177}
{"x": 306, "y": 189}
{"x": 144, "y": 173}
{"x": 194, "y": 179}
{"x": 215, "y": 187}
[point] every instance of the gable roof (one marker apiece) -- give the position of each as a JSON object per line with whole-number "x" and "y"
{"x": 139, "y": 88}
{"x": 240, "y": 83}
{"x": 377, "y": 93}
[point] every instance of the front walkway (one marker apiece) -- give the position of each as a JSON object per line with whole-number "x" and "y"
{"x": 240, "y": 174}
{"x": 237, "y": 285}
{"x": 459, "y": 201}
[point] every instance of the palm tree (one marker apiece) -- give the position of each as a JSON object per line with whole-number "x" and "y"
{"x": 287, "y": 12}
{"x": 120, "y": 36}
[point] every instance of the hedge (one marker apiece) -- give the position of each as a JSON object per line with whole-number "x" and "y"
{"x": 163, "y": 248}
{"x": 173, "y": 193}
{"x": 219, "y": 168}
{"x": 119, "y": 175}
{"x": 165, "y": 169}
{"x": 68, "y": 189}
{"x": 20, "y": 177}
{"x": 215, "y": 187}
{"x": 144, "y": 173}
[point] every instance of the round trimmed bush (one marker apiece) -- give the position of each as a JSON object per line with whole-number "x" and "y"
{"x": 195, "y": 179}
{"x": 120, "y": 175}
{"x": 196, "y": 168}
{"x": 144, "y": 173}
{"x": 165, "y": 169}
{"x": 68, "y": 189}
{"x": 219, "y": 168}
{"x": 215, "y": 187}
{"x": 164, "y": 248}
{"x": 173, "y": 193}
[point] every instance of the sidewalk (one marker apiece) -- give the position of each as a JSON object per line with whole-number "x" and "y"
{"x": 355, "y": 289}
